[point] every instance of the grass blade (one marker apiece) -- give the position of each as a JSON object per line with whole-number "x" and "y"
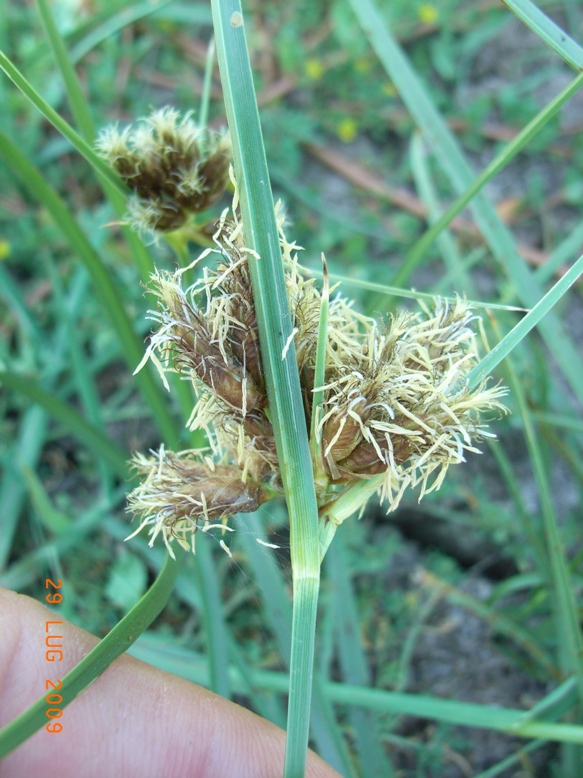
{"x": 26, "y": 571}
{"x": 446, "y": 242}
{"x": 568, "y": 634}
{"x": 61, "y": 125}
{"x": 511, "y": 721}
{"x": 325, "y": 730}
{"x": 372, "y": 758}
{"x": 564, "y": 252}
{"x": 532, "y": 318}
{"x": 217, "y": 635}
{"x": 409, "y": 294}
{"x": 568, "y": 630}
{"x": 417, "y": 252}
{"x": 28, "y": 445}
{"x": 281, "y": 374}
{"x": 26, "y": 449}
{"x": 102, "y": 26}
{"x": 550, "y": 32}
{"x": 82, "y": 114}
{"x": 89, "y": 435}
{"x": 514, "y": 759}
{"x": 105, "y": 288}
{"x": 98, "y": 660}
{"x": 75, "y": 95}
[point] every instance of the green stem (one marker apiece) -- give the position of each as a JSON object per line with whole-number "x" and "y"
{"x": 348, "y": 502}
{"x": 217, "y": 636}
{"x": 279, "y": 364}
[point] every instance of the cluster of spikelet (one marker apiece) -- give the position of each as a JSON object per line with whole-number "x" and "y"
{"x": 395, "y": 396}
{"x": 173, "y": 167}
{"x": 396, "y": 405}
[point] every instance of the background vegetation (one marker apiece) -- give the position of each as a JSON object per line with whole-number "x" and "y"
{"x": 463, "y": 597}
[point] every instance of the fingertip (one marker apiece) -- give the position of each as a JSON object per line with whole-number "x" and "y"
{"x": 134, "y": 720}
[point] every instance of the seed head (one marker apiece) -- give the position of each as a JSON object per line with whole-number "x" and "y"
{"x": 174, "y": 167}
{"x": 401, "y": 404}
{"x": 208, "y": 334}
{"x": 183, "y": 492}
{"x": 396, "y": 404}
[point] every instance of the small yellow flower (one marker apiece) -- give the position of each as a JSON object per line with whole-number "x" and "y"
{"x": 4, "y": 249}
{"x": 389, "y": 89}
{"x": 363, "y": 65}
{"x": 427, "y": 13}
{"x": 347, "y": 130}
{"x": 314, "y": 68}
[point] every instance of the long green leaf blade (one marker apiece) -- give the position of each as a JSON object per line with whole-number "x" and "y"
{"x": 524, "y": 326}
{"x": 417, "y": 252}
{"x": 512, "y": 721}
{"x": 548, "y": 31}
{"x": 82, "y": 113}
{"x": 279, "y": 362}
{"x": 98, "y": 660}
{"x": 87, "y": 433}
{"x": 60, "y": 124}
{"x": 105, "y": 288}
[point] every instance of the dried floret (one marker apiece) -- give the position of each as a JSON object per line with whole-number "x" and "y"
{"x": 401, "y": 403}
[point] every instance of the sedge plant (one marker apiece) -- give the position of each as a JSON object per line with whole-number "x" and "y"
{"x": 298, "y": 394}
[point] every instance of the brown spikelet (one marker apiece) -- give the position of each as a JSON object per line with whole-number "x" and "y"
{"x": 244, "y": 335}
{"x": 344, "y": 430}
{"x": 181, "y": 493}
{"x": 187, "y": 341}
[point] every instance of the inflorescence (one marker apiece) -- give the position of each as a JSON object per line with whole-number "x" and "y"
{"x": 397, "y": 406}
{"x": 395, "y": 398}
{"x": 174, "y": 168}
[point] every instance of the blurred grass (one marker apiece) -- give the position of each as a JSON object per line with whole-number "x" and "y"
{"x": 73, "y": 318}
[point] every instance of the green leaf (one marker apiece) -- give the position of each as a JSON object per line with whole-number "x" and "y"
{"x": 532, "y": 318}
{"x": 89, "y": 435}
{"x": 107, "y": 291}
{"x": 550, "y": 32}
{"x": 98, "y": 660}
{"x": 454, "y": 163}
{"x": 279, "y": 362}
{"x": 512, "y": 721}
{"x": 61, "y": 125}
{"x": 82, "y": 113}
{"x": 419, "y": 249}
